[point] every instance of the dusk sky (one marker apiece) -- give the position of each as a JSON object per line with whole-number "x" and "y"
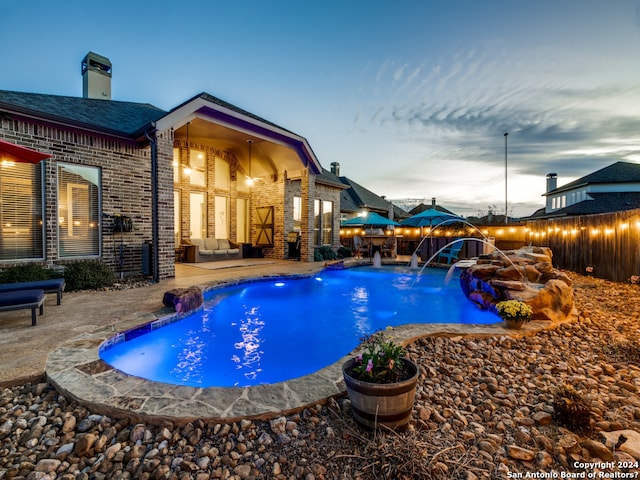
{"x": 412, "y": 98}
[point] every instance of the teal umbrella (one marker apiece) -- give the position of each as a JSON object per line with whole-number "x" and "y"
{"x": 429, "y": 218}
{"x": 371, "y": 219}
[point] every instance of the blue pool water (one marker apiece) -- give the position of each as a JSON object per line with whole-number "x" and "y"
{"x": 278, "y": 329}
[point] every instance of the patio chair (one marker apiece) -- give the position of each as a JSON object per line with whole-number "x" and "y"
{"x": 450, "y": 254}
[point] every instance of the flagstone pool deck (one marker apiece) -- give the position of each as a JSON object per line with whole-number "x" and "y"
{"x": 64, "y": 347}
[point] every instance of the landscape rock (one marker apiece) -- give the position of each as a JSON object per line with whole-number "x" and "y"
{"x": 525, "y": 274}
{"x": 484, "y": 409}
{"x": 183, "y": 299}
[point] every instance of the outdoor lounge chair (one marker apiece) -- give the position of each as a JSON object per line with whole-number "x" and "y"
{"x": 450, "y": 254}
{"x": 52, "y": 285}
{"x": 22, "y": 299}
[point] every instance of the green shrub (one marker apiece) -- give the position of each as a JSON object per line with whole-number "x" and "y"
{"x": 324, "y": 252}
{"x": 27, "y": 273}
{"x": 344, "y": 252}
{"x": 88, "y": 275}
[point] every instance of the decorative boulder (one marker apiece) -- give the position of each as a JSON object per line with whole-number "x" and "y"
{"x": 183, "y": 299}
{"x": 525, "y": 274}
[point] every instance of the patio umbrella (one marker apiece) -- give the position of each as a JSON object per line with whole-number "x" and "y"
{"x": 371, "y": 219}
{"x": 429, "y": 218}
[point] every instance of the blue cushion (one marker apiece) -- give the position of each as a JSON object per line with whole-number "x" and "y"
{"x": 20, "y": 297}
{"x": 50, "y": 284}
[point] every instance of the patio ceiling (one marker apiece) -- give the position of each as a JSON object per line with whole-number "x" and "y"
{"x": 267, "y": 156}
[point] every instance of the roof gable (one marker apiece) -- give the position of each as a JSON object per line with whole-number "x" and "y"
{"x": 211, "y": 109}
{"x": 126, "y": 119}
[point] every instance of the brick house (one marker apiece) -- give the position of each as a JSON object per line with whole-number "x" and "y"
{"x": 93, "y": 178}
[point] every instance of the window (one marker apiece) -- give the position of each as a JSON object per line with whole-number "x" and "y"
{"x": 222, "y": 174}
{"x": 316, "y": 222}
{"x": 198, "y": 215}
{"x": 327, "y": 222}
{"x": 297, "y": 214}
{"x": 242, "y": 209}
{"x": 198, "y": 171}
{"x": 322, "y": 222}
{"x": 78, "y": 211}
{"x": 21, "y": 211}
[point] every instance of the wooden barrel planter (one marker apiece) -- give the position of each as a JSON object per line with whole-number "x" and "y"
{"x": 376, "y": 404}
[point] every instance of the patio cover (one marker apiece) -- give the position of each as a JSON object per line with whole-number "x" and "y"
{"x": 22, "y": 154}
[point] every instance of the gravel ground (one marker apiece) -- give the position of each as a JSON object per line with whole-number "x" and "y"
{"x": 486, "y": 408}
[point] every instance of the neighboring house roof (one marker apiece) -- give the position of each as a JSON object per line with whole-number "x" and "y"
{"x": 122, "y": 119}
{"x": 327, "y": 178}
{"x": 619, "y": 172}
{"x": 356, "y": 198}
{"x": 601, "y": 203}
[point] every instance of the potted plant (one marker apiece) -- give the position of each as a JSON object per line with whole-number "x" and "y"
{"x": 381, "y": 383}
{"x": 514, "y": 313}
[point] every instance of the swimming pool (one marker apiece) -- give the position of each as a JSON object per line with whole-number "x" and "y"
{"x": 277, "y": 329}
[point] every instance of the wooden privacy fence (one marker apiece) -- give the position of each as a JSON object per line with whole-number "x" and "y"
{"x": 605, "y": 245}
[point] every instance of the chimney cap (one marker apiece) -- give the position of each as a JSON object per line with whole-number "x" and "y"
{"x": 552, "y": 175}
{"x": 93, "y": 61}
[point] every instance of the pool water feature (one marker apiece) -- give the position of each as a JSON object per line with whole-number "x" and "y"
{"x": 278, "y": 329}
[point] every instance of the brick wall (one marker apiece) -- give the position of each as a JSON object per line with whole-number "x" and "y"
{"x": 126, "y": 189}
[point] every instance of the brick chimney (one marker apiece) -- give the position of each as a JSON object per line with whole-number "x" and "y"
{"x": 552, "y": 184}
{"x": 335, "y": 168}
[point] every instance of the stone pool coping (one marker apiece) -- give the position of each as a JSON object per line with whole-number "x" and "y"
{"x": 77, "y": 371}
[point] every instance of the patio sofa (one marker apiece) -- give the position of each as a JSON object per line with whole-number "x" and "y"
{"x": 211, "y": 249}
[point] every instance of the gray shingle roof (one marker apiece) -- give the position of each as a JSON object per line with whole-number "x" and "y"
{"x": 355, "y": 197}
{"x": 601, "y": 203}
{"x": 619, "y": 172}
{"x": 128, "y": 119}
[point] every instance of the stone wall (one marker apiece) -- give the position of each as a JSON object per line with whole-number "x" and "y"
{"x": 526, "y": 274}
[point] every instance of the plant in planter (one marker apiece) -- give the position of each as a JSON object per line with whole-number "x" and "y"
{"x": 381, "y": 383}
{"x": 515, "y": 313}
